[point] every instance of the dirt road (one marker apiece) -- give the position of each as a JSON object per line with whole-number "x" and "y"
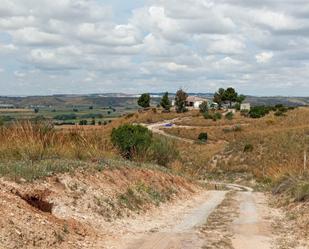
{"x": 156, "y": 128}
{"x": 236, "y": 219}
{"x": 183, "y": 234}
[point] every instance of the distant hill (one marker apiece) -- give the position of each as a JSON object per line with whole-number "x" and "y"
{"x": 129, "y": 100}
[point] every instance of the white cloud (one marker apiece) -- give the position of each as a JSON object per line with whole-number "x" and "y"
{"x": 264, "y": 57}
{"x": 33, "y": 36}
{"x": 214, "y": 43}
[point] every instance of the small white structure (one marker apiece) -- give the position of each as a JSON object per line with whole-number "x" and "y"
{"x": 245, "y": 107}
{"x": 195, "y": 102}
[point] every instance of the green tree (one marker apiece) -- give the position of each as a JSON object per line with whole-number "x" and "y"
{"x": 218, "y": 97}
{"x": 93, "y": 121}
{"x": 144, "y": 100}
{"x": 241, "y": 98}
{"x": 180, "y": 101}
{"x": 165, "y": 102}
{"x": 230, "y": 95}
{"x": 204, "y": 107}
{"x": 83, "y": 122}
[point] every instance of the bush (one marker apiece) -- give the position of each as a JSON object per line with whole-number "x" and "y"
{"x": 207, "y": 115}
{"x": 248, "y": 148}
{"x": 131, "y": 139}
{"x": 229, "y": 116}
{"x": 259, "y": 111}
{"x": 217, "y": 116}
{"x": 162, "y": 151}
{"x": 203, "y": 137}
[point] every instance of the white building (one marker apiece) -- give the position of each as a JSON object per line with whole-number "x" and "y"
{"x": 195, "y": 102}
{"x": 245, "y": 107}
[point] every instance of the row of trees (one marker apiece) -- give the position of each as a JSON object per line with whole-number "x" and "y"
{"x": 222, "y": 96}
{"x": 165, "y": 103}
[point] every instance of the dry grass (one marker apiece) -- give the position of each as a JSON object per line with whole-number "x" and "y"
{"x": 278, "y": 143}
{"x": 15, "y": 110}
{"x": 27, "y": 141}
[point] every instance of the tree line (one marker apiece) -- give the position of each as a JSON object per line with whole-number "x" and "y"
{"x": 222, "y": 96}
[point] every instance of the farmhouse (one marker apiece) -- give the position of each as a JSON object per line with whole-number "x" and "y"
{"x": 195, "y": 102}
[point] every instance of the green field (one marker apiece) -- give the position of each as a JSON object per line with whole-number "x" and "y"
{"x": 62, "y": 115}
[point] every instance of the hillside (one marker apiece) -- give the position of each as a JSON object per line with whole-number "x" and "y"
{"x": 127, "y": 100}
{"x": 75, "y": 187}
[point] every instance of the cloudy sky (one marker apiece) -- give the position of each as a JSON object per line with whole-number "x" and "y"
{"x": 261, "y": 47}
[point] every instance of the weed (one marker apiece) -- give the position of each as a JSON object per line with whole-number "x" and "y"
{"x": 203, "y": 137}
{"x": 248, "y": 148}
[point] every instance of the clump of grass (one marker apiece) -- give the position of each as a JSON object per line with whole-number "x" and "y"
{"x": 162, "y": 151}
{"x": 248, "y": 148}
{"x": 236, "y": 128}
{"x": 229, "y": 116}
{"x": 297, "y": 187}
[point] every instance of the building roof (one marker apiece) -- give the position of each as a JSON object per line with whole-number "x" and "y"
{"x": 195, "y": 99}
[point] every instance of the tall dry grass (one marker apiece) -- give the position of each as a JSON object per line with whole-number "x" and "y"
{"x": 28, "y": 141}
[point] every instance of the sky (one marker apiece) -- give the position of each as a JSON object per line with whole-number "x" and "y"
{"x": 260, "y": 47}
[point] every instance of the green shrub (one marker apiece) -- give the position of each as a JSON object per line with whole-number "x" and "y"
{"x": 259, "y": 111}
{"x": 248, "y": 148}
{"x": 207, "y": 115}
{"x": 131, "y": 139}
{"x": 229, "y": 116}
{"x": 217, "y": 116}
{"x": 162, "y": 151}
{"x": 203, "y": 137}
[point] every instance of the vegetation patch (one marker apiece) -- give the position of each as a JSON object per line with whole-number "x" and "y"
{"x": 131, "y": 139}
{"x": 203, "y": 137}
{"x": 142, "y": 194}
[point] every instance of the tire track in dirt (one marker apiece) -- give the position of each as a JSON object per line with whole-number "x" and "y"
{"x": 183, "y": 233}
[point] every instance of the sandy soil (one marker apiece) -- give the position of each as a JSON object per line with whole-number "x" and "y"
{"x": 231, "y": 219}
{"x": 235, "y": 220}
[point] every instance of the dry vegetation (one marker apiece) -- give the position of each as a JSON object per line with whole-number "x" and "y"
{"x": 86, "y": 204}
{"x": 269, "y": 150}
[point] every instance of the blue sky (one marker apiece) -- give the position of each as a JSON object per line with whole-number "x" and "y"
{"x": 93, "y": 46}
